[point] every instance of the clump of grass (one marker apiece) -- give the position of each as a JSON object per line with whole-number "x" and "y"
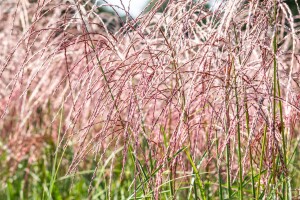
{"x": 188, "y": 101}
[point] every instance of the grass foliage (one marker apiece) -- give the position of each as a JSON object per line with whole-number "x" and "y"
{"x": 187, "y": 101}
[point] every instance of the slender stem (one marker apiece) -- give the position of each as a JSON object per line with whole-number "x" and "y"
{"x": 274, "y": 75}
{"x": 239, "y": 136}
{"x": 55, "y": 171}
{"x": 227, "y": 134}
{"x": 276, "y": 89}
{"x": 261, "y": 161}
{"x": 250, "y": 150}
{"x": 238, "y": 120}
{"x": 219, "y": 170}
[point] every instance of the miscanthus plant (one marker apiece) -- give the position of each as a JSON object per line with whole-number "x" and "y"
{"x": 197, "y": 100}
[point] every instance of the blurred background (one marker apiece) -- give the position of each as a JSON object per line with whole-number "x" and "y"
{"x": 135, "y": 7}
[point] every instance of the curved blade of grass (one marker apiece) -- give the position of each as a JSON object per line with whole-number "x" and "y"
{"x": 199, "y": 182}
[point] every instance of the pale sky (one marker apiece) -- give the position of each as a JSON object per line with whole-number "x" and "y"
{"x": 135, "y": 8}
